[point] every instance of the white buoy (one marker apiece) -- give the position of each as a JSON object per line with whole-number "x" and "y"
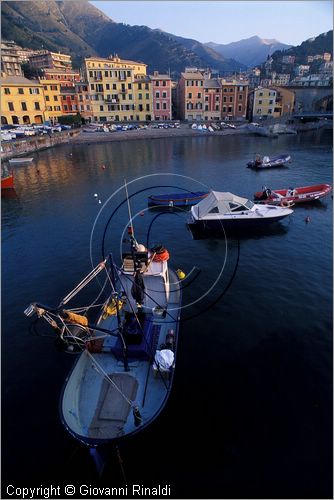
{"x": 95, "y": 195}
{"x": 100, "y": 201}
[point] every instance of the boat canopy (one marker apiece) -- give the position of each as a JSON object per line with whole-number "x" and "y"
{"x": 220, "y": 203}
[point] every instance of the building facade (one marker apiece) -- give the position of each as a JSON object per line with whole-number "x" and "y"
{"x": 53, "y": 104}
{"x": 142, "y": 88}
{"x": 264, "y": 102}
{"x": 190, "y": 95}
{"x": 234, "y": 99}
{"x": 10, "y": 62}
{"x": 84, "y": 103}
{"x": 212, "y": 99}
{"x": 111, "y": 87}
{"x": 284, "y": 103}
{"x": 22, "y": 101}
{"x": 47, "y": 59}
{"x": 161, "y": 96}
{"x": 66, "y": 77}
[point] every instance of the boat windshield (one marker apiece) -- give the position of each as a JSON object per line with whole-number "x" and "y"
{"x": 249, "y": 204}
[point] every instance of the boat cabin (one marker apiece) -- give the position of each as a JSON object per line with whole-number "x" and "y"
{"x": 220, "y": 203}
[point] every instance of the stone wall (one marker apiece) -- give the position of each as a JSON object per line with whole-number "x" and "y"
{"x": 28, "y": 145}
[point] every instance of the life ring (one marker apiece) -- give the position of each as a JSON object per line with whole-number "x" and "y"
{"x": 161, "y": 255}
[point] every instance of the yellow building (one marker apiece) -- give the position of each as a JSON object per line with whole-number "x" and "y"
{"x": 285, "y": 102}
{"x": 111, "y": 87}
{"x": 264, "y": 102}
{"x": 52, "y": 99}
{"x": 142, "y": 88}
{"x": 22, "y": 101}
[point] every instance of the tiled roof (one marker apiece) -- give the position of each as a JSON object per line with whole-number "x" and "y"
{"x": 192, "y": 76}
{"x": 160, "y": 77}
{"x": 109, "y": 61}
{"x": 212, "y": 83}
{"x": 16, "y": 80}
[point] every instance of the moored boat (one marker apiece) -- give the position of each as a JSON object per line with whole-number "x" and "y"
{"x": 7, "y": 178}
{"x": 123, "y": 376}
{"x": 223, "y": 210}
{"x": 177, "y": 199}
{"x": 20, "y": 160}
{"x": 297, "y": 195}
{"x": 269, "y": 161}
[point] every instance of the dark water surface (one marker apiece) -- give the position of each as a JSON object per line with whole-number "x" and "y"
{"x": 250, "y": 414}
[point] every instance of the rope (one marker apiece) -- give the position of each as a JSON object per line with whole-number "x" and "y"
{"x": 120, "y": 461}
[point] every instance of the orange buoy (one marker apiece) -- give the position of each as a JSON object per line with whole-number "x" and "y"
{"x": 162, "y": 255}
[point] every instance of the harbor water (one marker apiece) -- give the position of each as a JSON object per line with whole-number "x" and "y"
{"x": 250, "y": 413}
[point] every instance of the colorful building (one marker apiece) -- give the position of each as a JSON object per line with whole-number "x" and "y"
{"x": 53, "y": 103}
{"x": 10, "y": 62}
{"x": 47, "y": 59}
{"x": 111, "y": 87}
{"x": 212, "y": 99}
{"x": 285, "y": 102}
{"x": 67, "y": 77}
{"x": 83, "y": 99}
{"x": 162, "y": 96}
{"x": 69, "y": 100}
{"x": 142, "y": 88}
{"x": 234, "y": 99}
{"x": 263, "y": 102}
{"x": 22, "y": 101}
{"x": 191, "y": 95}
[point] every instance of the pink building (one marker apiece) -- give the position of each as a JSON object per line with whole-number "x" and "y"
{"x": 162, "y": 96}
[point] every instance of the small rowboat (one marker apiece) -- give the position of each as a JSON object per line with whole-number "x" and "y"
{"x": 285, "y": 197}
{"x": 269, "y": 162}
{"x": 177, "y": 199}
{"x": 20, "y": 160}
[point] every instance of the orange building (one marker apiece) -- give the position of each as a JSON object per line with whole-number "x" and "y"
{"x": 234, "y": 99}
{"x": 191, "y": 95}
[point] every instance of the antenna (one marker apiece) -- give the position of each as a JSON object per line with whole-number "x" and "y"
{"x": 129, "y": 210}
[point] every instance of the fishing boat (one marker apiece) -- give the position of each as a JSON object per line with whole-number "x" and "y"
{"x": 221, "y": 211}
{"x": 124, "y": 373}
{"x": 176, "y": 199}
{"x": 20, "y": 160}
{"x": 7, "y": 178}
{"x": 285, "y": 197}
{"x": 269, "y": 161}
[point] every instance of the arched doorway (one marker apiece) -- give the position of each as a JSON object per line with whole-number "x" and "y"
{"x": 15, "y": 120}
{"x": 26, "y": 119}
{"x": 4, "y": 120}
{"x": 38, "y": 119}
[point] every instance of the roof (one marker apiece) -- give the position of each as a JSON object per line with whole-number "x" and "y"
{"x": 212, "y": 83}
{"x": 191, "y": 76}
{"x": 63, "y": 71}
{"x": 18, "y": 80}
{"x": 217, "y": 199}
{"x": 109, "y": 61}
{"x": 160, "y": 77}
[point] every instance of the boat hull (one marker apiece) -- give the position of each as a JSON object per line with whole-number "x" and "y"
{"x": 176, "y": 200}
{"x": 306, "y": 194}
{"x": 272, "y": 163}
{"x": 7, "y": 182}
{"x": 220, "y": 226}
{"x": 92, "y": 409}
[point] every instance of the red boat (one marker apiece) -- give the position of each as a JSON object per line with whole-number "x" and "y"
{"x": 7, "y": 179}
{"x": 288, "y": 197}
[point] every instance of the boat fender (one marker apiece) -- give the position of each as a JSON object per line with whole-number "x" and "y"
{"x": 75, "y": 318}
{"x": 170, "y": 340}
{"x": 137, "y": 416}
{"x": 161, "y": 255}
{"x": 180, "y": 274}
{"x": 286, "y": 204}
{"x": 111, "y": 309}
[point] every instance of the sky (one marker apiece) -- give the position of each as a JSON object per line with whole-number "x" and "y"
{"x": 223, "y": 21}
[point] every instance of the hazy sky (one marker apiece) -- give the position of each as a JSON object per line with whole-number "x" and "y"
{"x": 221, "y": 21}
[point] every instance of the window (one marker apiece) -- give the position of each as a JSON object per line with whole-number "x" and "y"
{"x": 231, "y": 90}
{"x": 53, "y": 87}
{"x": 130, "y": 97}
{"x": 107, "y": 86}
{"x": 164, "y": 84}
{"x": 240, "y": 97}
{"x": 91, "y": 74}
{"x": 164, "y": 94}
{"x": 206, "y": 107}
{"x": 139, "y": 86}
{"x": 24, "y": 106}
{"x": 45, "y": 87}
{"x": 7, "y": 91}
{"x": 158, "y": 105}
{"x": 47, "y": 98}
{"x": 190, "y": 95}
{"x": 217, "y": 107}
{"x": 147, "y": 107}
{"x": 146, "y": 86}
{"x": 20, "y": 90}
{"x": 271, "y": 101}
{"x": 260, "y": 101}
{"x": 164, "y": 105}
{"x": 140, "y": 96}
{"x": 239, "y": 107}
{"x": 147, "y": 96}
{"x": 157, "y": 95}
{"x": 217, "y": 98}
{"x": 199, "y": 95}
{"x": 225, "y": 90}
{"x": 206, "y": 98}
{"x": 34, "y": 91}
{"x": 157, "y": 84}
{"x": 129, "y": 86}
{"x": 106, "y": 74}
{"x": 101, "y": 108}
{"x": 231, "y": 99}
{"x": 224, "y": 98}
{"x": 128, "y": 73}
{"x": 114, "y": 87}
{"x": 241, "y": 89}
{"x": 65, "y": 107}
{"x": 230, "y": 109}
{"x": 92, "y": 86}
{"x": 214, "y": 210}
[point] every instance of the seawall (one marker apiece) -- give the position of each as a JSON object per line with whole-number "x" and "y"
{"x": 31, "y": 144}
